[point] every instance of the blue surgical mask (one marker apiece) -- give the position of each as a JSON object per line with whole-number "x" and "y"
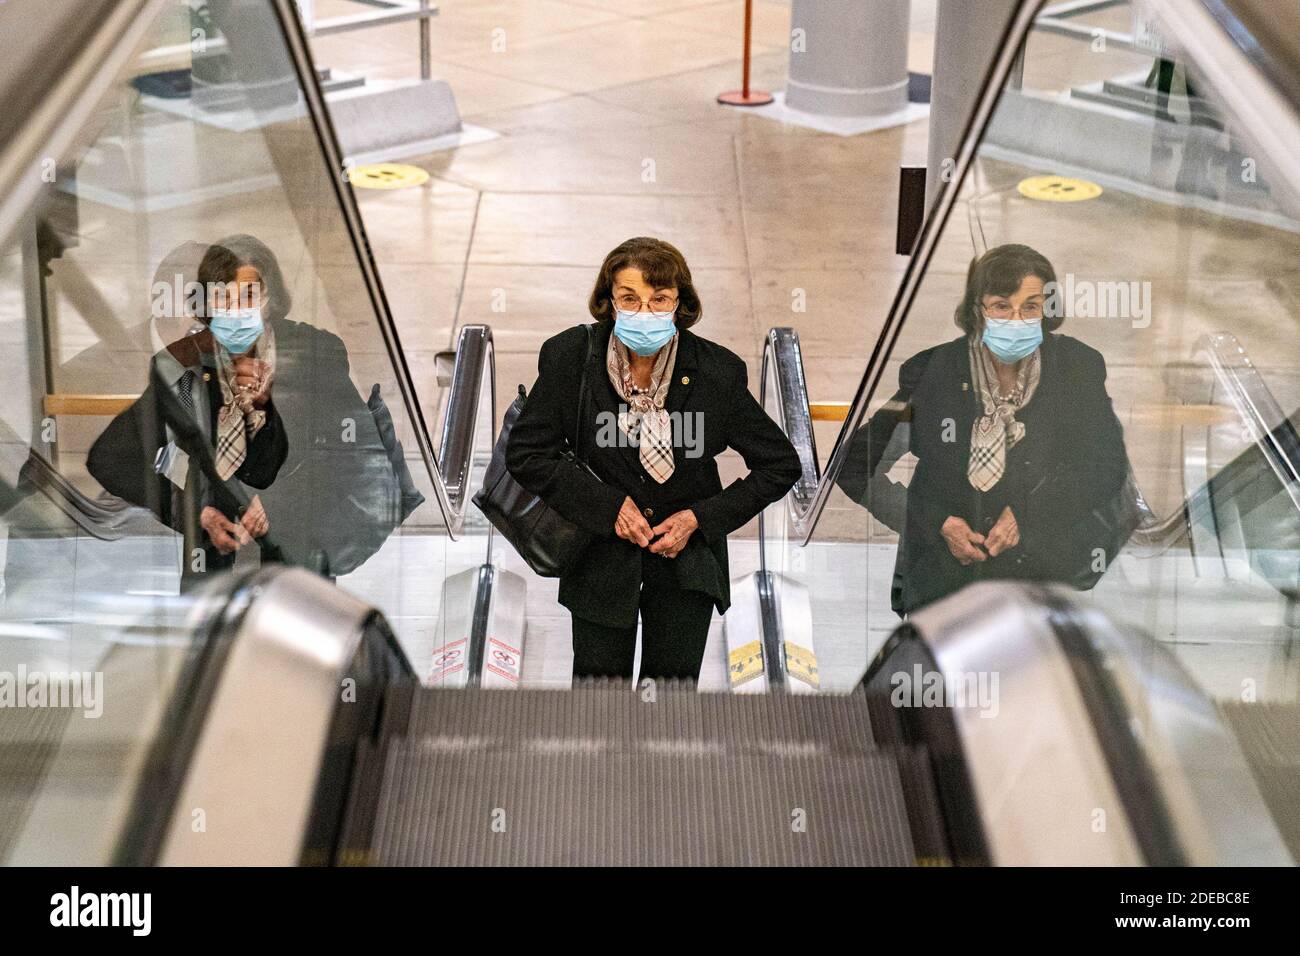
{"x": 1010, "y": 340}
{"x": 236, "y": 329}
{"x": 645, "y": 333}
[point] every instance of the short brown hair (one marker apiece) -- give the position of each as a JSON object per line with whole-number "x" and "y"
{"x": 663, "y": 267}
{"x": 1000, "y": 272}
{"x": 223, "y": 259}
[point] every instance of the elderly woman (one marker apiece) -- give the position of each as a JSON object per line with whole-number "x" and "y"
{"x": 1020, "y": 458}
{"x": 661, "y": 404}
{"x": 329, "y": 496}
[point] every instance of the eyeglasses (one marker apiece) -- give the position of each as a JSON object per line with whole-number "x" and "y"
{"x": 659, "y": 304}
{"x": 1029, "y": 311}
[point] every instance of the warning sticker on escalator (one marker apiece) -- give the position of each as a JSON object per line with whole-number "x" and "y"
{"x": 745, "y": 663}
{"x": 801, "y": 664}
{"x": 447, "y": 660}
{"x": 503, "y": 660}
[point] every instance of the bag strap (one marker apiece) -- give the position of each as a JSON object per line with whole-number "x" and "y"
{"x": 582, "y": 395}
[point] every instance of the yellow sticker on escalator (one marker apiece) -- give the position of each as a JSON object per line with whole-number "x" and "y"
{"x": 801, "y": 664}
{"x": 745, "y": 663}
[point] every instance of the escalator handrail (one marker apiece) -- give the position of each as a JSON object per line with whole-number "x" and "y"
{"x": 1256, "y": 407}
{"x": 1255, "y": 403}
{"x": 90, "y": 61}
{"x": 107, "y": 520}
{"x": 782, "y": 366}
{"x": 475, "y": 357}
{"x": 1161, "y": 731}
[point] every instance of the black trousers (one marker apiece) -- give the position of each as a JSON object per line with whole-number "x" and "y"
{"x": 674, "y": 630}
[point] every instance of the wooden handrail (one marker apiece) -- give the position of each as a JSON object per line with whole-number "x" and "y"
{"x": 829, "y": 411}
{"x": 69, "y": 403}
{"x": 1169, "y": 415}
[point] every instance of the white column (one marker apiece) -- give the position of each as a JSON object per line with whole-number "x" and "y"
{"x": 848, "y": 57}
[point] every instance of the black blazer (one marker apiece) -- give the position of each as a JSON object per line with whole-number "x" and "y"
{"x": 1071, "y": 462}
{"x": 709, "y": 383}
{"x": 122, "y": 457}
{"x": 337, "y": 499}
{"x": 332, "y": 499}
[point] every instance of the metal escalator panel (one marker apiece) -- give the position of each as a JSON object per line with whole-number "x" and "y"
{"x": 603, "y": 776}
{"x": 88, "y": 693}
{"x": 266, "y": 764}
{"x": 1082, "y": 741}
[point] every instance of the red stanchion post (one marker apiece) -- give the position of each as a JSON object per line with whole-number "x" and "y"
{"x": 745, "y": 96}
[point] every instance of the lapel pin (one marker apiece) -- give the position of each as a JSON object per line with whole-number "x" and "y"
{"x": 686, "y": 380}
{"x": 207, "y": 376}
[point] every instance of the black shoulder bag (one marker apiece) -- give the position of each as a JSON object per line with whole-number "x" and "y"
{"x": 545, "y": 539}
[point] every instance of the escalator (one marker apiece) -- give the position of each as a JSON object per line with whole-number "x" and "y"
{"x": 270, "y": 715}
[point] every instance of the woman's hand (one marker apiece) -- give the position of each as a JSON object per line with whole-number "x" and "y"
{"x": 630, "y": 525}
{"x": 676, "y": 530}
{"x": 226, "y": 535}
{"x": 253, "y": 378}
{"x": 254, "y": 519}
{"x": 1004, "y": 535}
{"x": 962, "y": 542}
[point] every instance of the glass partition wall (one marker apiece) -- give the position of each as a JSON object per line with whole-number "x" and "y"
{"x": 1168, "y": 386}
{"x": 200, "y": 376}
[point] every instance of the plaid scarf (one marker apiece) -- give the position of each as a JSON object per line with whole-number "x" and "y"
{"x": 645, "y": 422}
{"x": 997, "y": 430}
{"x": 238, "y": 421}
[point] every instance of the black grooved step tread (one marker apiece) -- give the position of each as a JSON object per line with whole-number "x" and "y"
{"x": 616, "y": 775}
{"x": 449, "y": 806}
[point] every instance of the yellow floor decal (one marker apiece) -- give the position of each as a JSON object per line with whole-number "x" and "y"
{"x": 1058, "y": 189}
{"x": 387, "y": 176}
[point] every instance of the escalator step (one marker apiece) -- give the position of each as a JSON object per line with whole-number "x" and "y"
{"x": 1269, "y": 734}
{"x": 29, "y": 739}
{"x": 614, "y": 711}
{"x": 611, "y": 774}
{"x": 448, "y": 805}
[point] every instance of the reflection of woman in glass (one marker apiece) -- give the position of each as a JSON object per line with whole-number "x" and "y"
{"x": 337, "y": 498}
{"x": 329, "y": 496}
{"x": 1018, "y": 451}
